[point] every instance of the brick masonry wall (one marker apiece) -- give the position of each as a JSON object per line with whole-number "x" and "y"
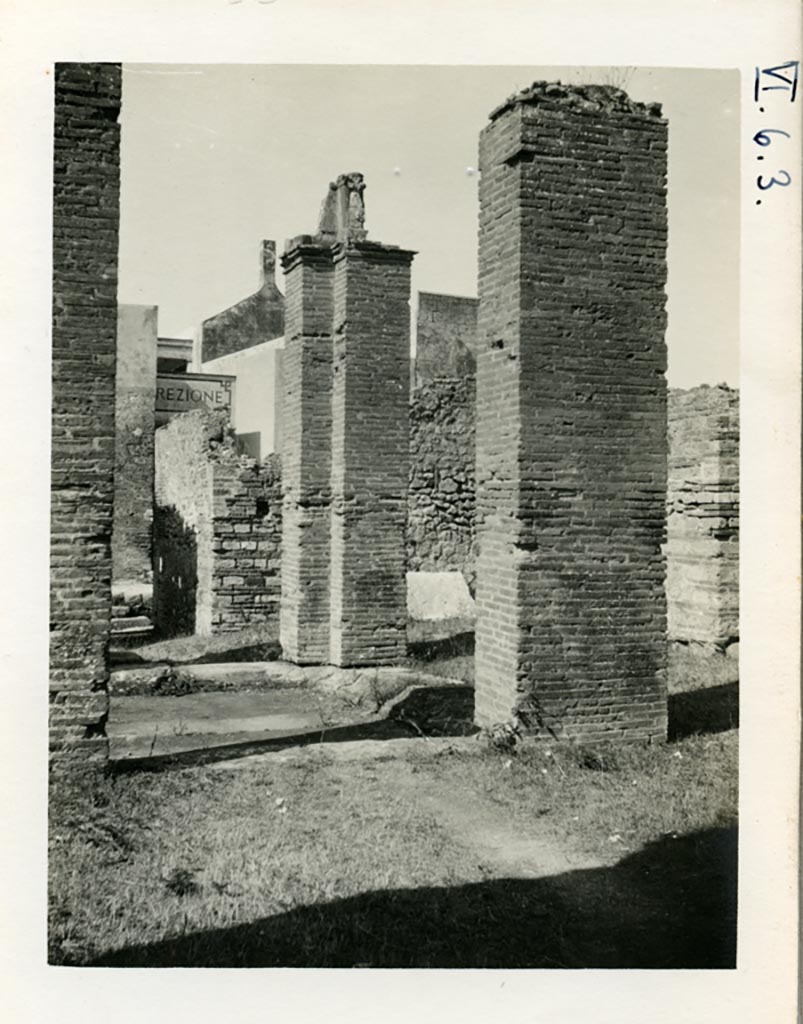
{"x": 571, "y": 415}
{"x": 370, "y": 454}
{"x": 446, "y": 337}
{"x": 246, "y": 544}
{"x": 306, "y": 451}
{"x": 86, "y": 187}
{"x": 703, "y": 515}
{"x": 217, "y": 531}
{"x": 258, "y": 318}
{"x": 441, "y": 495}
{"x": 134, "y": 428}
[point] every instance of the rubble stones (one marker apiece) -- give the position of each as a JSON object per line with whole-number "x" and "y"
{"x": 441, "y": 495}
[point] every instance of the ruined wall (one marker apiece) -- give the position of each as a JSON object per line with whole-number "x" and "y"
{"x": 246, "y": 544}
{"x": 86, "y": 184}
{"x": 446, "y": 337}
{"x": 134, "y": 429}
{"x": 571, "y": 414}
{"x": 252, "y": 321}
{"x": 217, "y": 531}
{"x": 257, "y": 412}
{"x": 441, "y": 494}
{"x": 703, "y": 515}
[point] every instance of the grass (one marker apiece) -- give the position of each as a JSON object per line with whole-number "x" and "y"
{"x": 411, "y": 861}
{"x": 615, "y": 799}
{"x": 333, "y": 863}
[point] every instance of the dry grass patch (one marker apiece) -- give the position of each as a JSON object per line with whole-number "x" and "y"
{"x": 338, "y": 864}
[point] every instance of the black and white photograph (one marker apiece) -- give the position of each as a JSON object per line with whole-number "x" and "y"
{"x": 397, "y": 436}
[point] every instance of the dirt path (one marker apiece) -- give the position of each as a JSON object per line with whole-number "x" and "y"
{"x": 482, "y": 826}
{"x": 475, "y": 822}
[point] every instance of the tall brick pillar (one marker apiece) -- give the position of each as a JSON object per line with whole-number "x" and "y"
{"x": 306, "y": 450}
{"x": 86, "y": 188}
{"x": 370, "y": 453}
{"x": 571, "y": 414}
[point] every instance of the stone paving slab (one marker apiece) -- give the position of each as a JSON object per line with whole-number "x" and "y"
{"x": 154, "y": 726}
{"x": 132, "y": 624}
{"x": 229, "y": 674}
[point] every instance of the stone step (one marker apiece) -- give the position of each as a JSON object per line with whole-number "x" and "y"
{"x": 130, "y": 625}
{"x": 226, "y": 675}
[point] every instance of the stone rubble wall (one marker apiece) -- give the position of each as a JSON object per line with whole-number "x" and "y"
{"x": 86, "y": 190}
{"x": 571, "y": 415}
{"x": 703, "y": 515}
{"x": 441, "y": 494}
{"x": 702, "y": 500}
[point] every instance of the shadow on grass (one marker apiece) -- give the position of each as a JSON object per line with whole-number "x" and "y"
{"x": 715, "y": 709}
{"x": 671, "y": 905}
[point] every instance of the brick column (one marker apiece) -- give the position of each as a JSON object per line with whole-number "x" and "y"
{"x": 86, "y": 190}
{"x": 571, "y": 414}
{"x": 370, "y": 453}
{"x": 306, "y": 451}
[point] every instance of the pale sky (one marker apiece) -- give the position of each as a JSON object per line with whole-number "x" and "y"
{"x": 217, "y": 157}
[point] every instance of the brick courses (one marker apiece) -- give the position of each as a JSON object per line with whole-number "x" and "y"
{"x": 217, "y": 531}
{"x": 345, "y": 447}
{"x": 571, "y": 415}
{"x": 306, "y": 450}
{"x": 86, "y": 186}
{"x": 246, "y": 544}
{"x": 370, "y": 454}
{"x": 703, "y": 515}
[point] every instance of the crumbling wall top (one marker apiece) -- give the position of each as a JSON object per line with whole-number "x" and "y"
{"x": 343, "y": 210}
{"x": 578, "y": 97}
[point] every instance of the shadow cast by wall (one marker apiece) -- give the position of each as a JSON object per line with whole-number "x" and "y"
{"x": 671, "y": 905}
{"x": 710, "y": 710}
